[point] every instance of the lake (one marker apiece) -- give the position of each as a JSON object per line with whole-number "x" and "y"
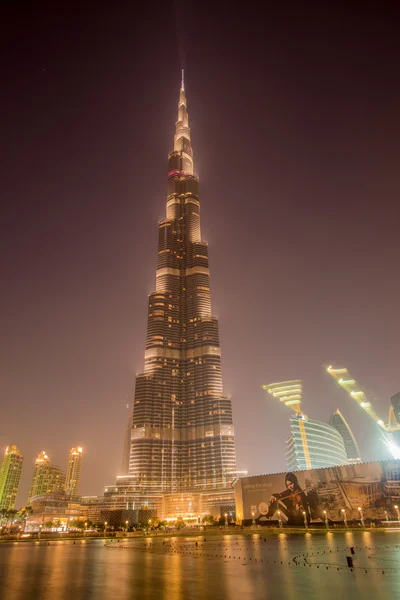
{"x": 291, "y": 567}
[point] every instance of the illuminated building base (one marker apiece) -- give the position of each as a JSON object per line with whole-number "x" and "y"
{"x": 190, "y": 507}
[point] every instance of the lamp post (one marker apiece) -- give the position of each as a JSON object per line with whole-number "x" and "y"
{"x": 85, "y": 528}
{"x": 126, "y": 526}
{"x": 149, "y": 524}
{"x": 305, "y": 519}
{"x": 279, "y": 519}
{"x": 397, "y": 510}
{"x": 105, "y": 527}
{"x": 226, "y": 519}
{"x": 254, "y": 521}
{"x": 360, "y": 510}
{"x": 326, "y": 520}
{"x": 344, "y": 518}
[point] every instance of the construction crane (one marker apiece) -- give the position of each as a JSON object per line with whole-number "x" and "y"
{"x": 287, "y": 392}
{"x": 290, "y": 393}
{"x": 344, "y": 379}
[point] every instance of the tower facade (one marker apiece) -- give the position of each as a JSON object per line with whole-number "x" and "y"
{"x": 74, "y": 468}
{"x": 313, "y": 445}
{"x": 46, "y": 477}
{"x": 182, "y": 435}
{"x": 10, "y": 476}
{"x": 338, "y": 421}
{"x": 395, "y": 404}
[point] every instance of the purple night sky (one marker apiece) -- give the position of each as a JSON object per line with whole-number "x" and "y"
{"x": 295, "y": 128}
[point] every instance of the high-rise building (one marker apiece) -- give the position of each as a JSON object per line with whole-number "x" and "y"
{"x": 313, "y": 445}
{"x": 46, "y": 477}
{"x": 10, "y": 475}
{"x": 41, "y": 460}
{"x": 182, "y": 435}
{"x": 74, "y": 468}
{"x": 395, "y": 403}
{"x": 338, "y": 421}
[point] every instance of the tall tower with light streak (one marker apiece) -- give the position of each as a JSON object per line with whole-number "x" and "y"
{"x": 182, "y": 436}
{"x": 338, "y": 421}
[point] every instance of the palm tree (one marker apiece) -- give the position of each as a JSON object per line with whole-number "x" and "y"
{"x": 10, "y": 515}
{"x": 3, "y": 514}
{"x": 24, "y": 513}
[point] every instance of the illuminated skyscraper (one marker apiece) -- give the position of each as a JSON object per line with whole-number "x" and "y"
{"x": 338, "y": 421}
{"x": 74, "y": 468}
{"x": 10, "y": 475}
{"x": 182, "y": 435}
{"x": 46, "y": 477}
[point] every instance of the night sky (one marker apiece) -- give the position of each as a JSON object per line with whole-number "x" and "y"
{"x": 295, "y": 128}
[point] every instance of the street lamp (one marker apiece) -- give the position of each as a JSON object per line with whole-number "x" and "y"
{"x": 305, "y": 519}
{"x": 397, "y": 510}
{"x": 149, "y": 523}
{"x": 326, "y": 519}
{"x": 279, "y": 519}
{"x": 126, "y": 526}
{"x": 360, "y": 510}
{"x": 254, "y": 522}
{"x": 105, "y": 527}
{"x": 344, "y": 518}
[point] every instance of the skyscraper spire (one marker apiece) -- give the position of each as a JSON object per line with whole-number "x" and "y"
{"x": 182, "y": 145}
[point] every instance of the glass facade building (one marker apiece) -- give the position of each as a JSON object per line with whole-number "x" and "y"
{"x": 10, "y": 476}
{"x": 395, "y": 403}
{"x": 313, "y": 445}
{"x": 74, "y": 468}
{"x": 338, "y": 421}
{"x": 46, "y": 477}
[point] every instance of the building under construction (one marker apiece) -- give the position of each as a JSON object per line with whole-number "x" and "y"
{"x": 313, "y": 444}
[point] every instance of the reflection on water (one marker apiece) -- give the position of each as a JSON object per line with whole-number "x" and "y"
{"x": 288, "y": 567}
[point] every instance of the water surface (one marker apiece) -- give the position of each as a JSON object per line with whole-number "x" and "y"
{"x": 230, "y": 567}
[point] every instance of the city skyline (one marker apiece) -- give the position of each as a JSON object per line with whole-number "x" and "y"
{"x": 296, "y": 138}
